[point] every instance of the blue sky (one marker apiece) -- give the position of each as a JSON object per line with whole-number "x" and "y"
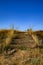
{"x": 23, "y": 14}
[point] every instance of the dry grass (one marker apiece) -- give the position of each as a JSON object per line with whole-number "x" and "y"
{"x": 23, "y": 55}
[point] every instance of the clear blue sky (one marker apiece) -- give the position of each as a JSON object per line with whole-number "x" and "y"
{"x": 22, "y": 14}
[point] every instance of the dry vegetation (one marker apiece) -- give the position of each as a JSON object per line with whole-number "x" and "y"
{"x": 21, "y": 48}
